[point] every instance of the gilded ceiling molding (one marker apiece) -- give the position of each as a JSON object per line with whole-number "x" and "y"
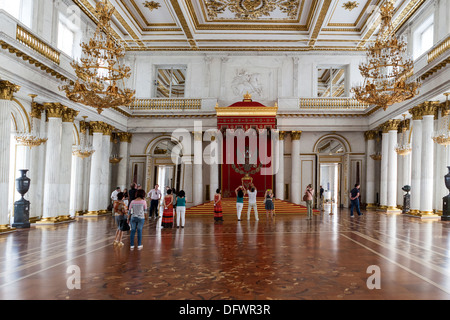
{"x": 7, "y": 90}
{"x": 319, "y": 22}
{"x": 152, "y": 5}
{"x": 350, "y": 5}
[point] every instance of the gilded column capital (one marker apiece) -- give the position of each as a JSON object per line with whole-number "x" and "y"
{"x": 404, "y": 125}
{"x": 125, "y": 136}
{"x": 36, "y": 110}
{"x": 7, "y": 90}
{"x": 198, "y": 135}
{"x": 107, "y": 129}
{"x": 96, "y": 126}
{"x": 54, "y": 109}
{"x": 390, "y": 125}
{"x": 371, "y": 134}
{"x": 429, "y": 108}
{"x": 69, "y": 115}
{"x": 296, "y": 135}
{"x": 281, "y": 135}
{"x": 416, "y": 113}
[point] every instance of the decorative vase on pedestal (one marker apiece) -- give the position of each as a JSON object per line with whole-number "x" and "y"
{"x": 406, "y": 199}
{"x": 446, "y": 199}
{"x": 22, "y": 206}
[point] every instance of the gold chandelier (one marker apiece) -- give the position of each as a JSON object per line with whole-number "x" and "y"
{"x": 442, "y": 135}
{"x": 404, "y": 147}
{"x": 387, "y": 70}
{"x": 100, "y": 82}
{"x": 30, "y": 138}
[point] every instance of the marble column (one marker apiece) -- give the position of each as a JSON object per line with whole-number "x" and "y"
{"x": 197, "y": 169}
{"x": 214, "y": 166}
{"x": 442, "y": 170}
{"x": 429, "y": 109}
{"x": 36, "y": 165}
{"x": 404, "y": 165}
{"x": 105, "y": 185}
{"x": 416, "y": 157}
{"x": 7, "y": 89}
{"x": 370, "y": 137}
{"x": 94, "y": 204}
{"x": 384, "y": 170}
{"x": 296, "y": 191}
{"x": 125, "y": 140}
{"x": 280, "y": 174}
{"x": 68, "y": 117}
{"x": 52, "y": 177}
{"x": 392, "y": 128}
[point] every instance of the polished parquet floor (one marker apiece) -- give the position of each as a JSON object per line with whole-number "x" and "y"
{"x": 290, "y": 258}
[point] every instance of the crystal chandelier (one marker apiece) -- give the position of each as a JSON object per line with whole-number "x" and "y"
{"x": 30, "y": 138}
{"x": 83, "y": 150}
{"x": 404, "y": 147}
{"x": 388, "y": 69}
{"x": 442, "y": 135}
{"x": 101, "y": 76}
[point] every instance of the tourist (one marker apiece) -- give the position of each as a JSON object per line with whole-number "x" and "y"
{"x": 155, "y": 197}
{"x": 354, "y": 198}
{"x": 136, "y": 218}
{"x": 181, "y": 208}
{"x": 167, "y": 217}
{"x": 240, "y": 192}
{"x": 132, "y": 192}
{"x": 308, "y": 197}
{"x": 114, "y": 194}
{"x": 174, "y": 195}
{"x": 125, "y": 197}
{"x": 120, "y": 213}
{"x": 268, "y": 203}
{"x": 252, "y": 202}
{"x": 218, "y": 214}
{"x": 321, "y": 197}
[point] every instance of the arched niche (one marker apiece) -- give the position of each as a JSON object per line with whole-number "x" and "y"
{"x": 163, "y": 163}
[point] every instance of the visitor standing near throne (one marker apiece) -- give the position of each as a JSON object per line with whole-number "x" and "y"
{"x": 240, "y": 192}
{"x": 252, "y": 202}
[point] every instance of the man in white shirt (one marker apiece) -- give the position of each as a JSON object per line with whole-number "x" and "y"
{"x": 114, "y": 194}
{"x": 155, "y": 197}
{"x": 252, "y": 202}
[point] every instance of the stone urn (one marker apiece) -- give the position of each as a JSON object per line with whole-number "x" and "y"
{"x": 446, "y": 200}
{"x": 23, "y": 182}
{"x": 406, "y": 199}
{"x": 22, "y": 206}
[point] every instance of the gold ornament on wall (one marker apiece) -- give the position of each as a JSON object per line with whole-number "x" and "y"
{"x": 350, "y": 5}
{"x": 388, "y": 70}
{"x": 151, "y": 5}
{"x": 100, "y": 74}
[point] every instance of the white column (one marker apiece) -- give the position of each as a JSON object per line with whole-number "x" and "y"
{"x": 370, "y": 169}
{"x": 7, "y": 90}
{"x": 392, "y": 167}
{"x": 197, "y": 169}
{"x": 66, "y": 163}
{"x": 280, "y": 174}
{"x": 416, "y": 157}
{"x": 105, "y": 185}
{"x": 78, "y": 184}
{"x": 125, "y": 139}
{"x": 296, "y": 191}
{"x": 214, "y": 165}
{"x": 36, "y": 166}
{"x": 426, "y": 196}
{"x": 384, "y": 170}
{"x": 94, "y": 205}
{"x": 52, "y": 203}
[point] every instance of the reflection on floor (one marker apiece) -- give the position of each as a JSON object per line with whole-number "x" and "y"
{"x": 329, "y": 257}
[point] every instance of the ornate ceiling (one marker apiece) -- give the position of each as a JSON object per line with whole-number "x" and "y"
{"x": 255, "y": 25}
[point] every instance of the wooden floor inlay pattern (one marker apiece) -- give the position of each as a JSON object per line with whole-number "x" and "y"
{"x": 289, "y": 258}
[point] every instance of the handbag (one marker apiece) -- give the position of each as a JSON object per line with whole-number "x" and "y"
{"x": 305, "y": 197}
{"x": 124, "y": 226}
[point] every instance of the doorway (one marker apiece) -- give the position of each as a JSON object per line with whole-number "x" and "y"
{"x": 165, "y": 176}
{"x": 330, "y": 182}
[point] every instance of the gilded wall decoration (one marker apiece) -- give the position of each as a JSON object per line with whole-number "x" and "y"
{"x": 350, "y": 5}
{"x": 252, "y": 9}
{"x": 151, "y": 5}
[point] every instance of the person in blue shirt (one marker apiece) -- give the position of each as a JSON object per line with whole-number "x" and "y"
{"x": 181, "y": 208}
{"x": 240, "y": 192}
{"x": 354, "y": 197}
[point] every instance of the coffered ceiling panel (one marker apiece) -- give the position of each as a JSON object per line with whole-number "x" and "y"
{"x": 257, "y": 25}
